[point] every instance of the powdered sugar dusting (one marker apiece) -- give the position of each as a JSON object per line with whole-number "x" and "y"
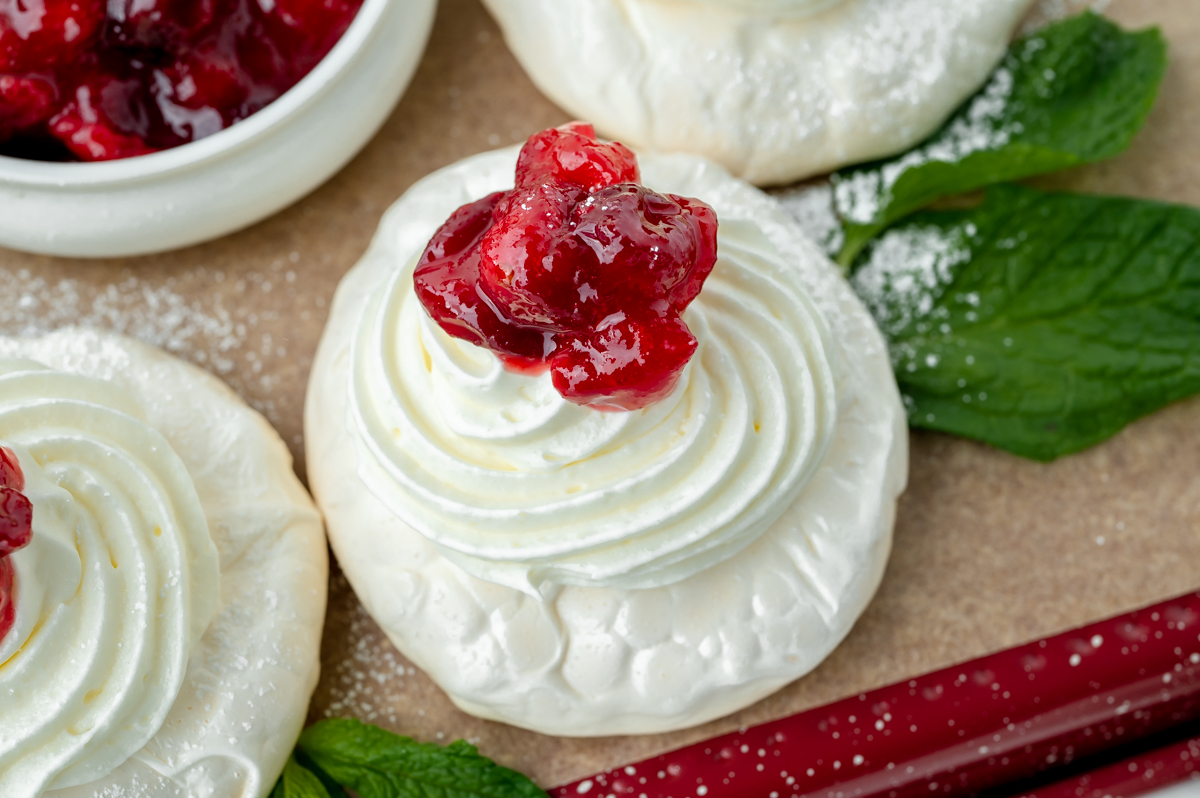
{"x": 212, "y": 319}
{"x": 365, "y": 677}
{"x": 369, "y": 679}
{"x": 31, "y": 305}
{"x": 907, "y": 271}
{"x": 812, "y": 208}
{"x": 861, "y": 195}
{"x": 1050, "y": 10}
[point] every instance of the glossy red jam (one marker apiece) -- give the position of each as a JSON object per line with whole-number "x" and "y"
{"x": 103, "y": 79}
{"x": 16, "y": 530}
{"x": 577, "y": 269}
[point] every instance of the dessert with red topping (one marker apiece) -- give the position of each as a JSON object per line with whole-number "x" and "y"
{"x": 16, "y": 530}
{"x": 578, "y": 572}
{"x": 96, "y": 80}
{"x": 578, "y": 269}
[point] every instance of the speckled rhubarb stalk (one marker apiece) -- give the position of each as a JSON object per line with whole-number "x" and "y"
{"x": 1007, "y": 716}
{"x": 1132, "y": 776}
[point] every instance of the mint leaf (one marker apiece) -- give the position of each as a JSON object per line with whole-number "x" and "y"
{"x": 378, "y": 764}
{"x": 1072, "y": 93}
{"x": 1040, "y": 323}
{"x": 299, "y": 782}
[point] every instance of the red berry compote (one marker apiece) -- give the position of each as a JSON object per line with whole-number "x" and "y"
{"x": 16, "y": 530}
{"x": 578, "y": 269}
{"x": 101, "y": 79}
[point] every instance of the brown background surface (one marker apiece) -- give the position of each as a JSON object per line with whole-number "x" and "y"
{"x": 990, "y": 550}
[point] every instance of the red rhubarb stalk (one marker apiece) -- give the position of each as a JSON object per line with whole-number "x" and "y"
{"x": 1132, "y": 776}
{"x": 1007, "y": 716}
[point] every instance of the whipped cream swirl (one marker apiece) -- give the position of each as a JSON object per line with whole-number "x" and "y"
{"x": 522, "y": 488}
{"x": 118, "y": 585}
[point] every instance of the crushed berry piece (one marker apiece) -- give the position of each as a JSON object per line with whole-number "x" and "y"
{"x": 11, "y": 475}
{"x": 24, "y": 103}
{"x": 447, "y": 285}
{"x": 577, "y": 269}
{"x": 159, "y": 24}
{"x": 16, "y": 511}
{"x": 16, "y": 530}
{"x": 38, "y": 35}
{"x": 626, "y": 364}
{"x": 572, "y": 155}
{"x": 103, "y": 119}
{"x": 8, "y": 612}
{"x": 16, "y": 521}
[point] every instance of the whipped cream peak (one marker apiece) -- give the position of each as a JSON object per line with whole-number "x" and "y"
{"x": 522, "y": 488}
{"x": 116, "y": 587}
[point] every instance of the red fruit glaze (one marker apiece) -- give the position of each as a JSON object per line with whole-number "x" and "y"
{"x": 11, "y": 475}
{"x": 16, "y": 518}
{"x": 16, "y": 511}
{"x": 24, "y": 103}
{"x": 37, "y": 35}
{"x": 627, "y": 363}
{"x": 119, "y": 78}
{"x": 158, "y": 23}
{"x": 572, "y": 155}
{"x": 577, "y": 269}
{"x": 957, "y": 732}
{"x": 8, "y": 612}
{"x": 447, "y": 279}
{"x": 16, "y": 529}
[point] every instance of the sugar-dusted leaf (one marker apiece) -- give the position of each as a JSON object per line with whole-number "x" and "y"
{"x": 1072, "y": 93}
{"x": 1040, "y": 323}
{"x": 378, "y": 764}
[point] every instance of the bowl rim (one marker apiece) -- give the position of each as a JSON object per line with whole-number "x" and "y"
{"x": 236, "y": 137}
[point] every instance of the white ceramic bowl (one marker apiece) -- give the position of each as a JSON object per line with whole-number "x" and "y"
{"x": 234, "y": 178}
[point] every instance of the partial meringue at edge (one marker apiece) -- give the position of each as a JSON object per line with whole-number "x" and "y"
{"x": 116, "y": 587}
{"x": 169, "y": 606}
{"x": 774, "y": 90}
{"x": 584, "y": 573}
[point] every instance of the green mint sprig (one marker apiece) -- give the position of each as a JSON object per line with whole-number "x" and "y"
{"x": 1075, "y": 92}
{"x": 344, "y": 753}
{"x": 1040, "y": 323}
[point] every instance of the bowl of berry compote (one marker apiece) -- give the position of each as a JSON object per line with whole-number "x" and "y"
{"x": 137, "y": 126}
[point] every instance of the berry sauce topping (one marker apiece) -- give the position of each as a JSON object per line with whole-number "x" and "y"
{"x": 578, "y": 270}
{"x": 16, "y": 530}
{"x": 102, "y": 79}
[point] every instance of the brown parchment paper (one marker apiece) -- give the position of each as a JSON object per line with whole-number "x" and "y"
{"x": 990, "y": 550}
